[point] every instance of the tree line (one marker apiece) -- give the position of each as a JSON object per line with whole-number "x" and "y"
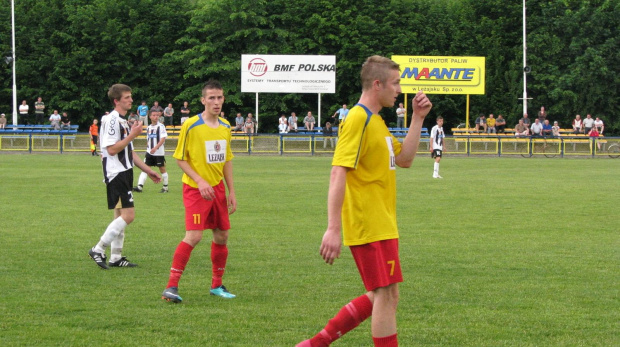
{"x": 70, "y": 51}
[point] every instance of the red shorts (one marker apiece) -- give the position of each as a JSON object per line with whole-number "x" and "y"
{"x": 378, "y": 263}
{"x": 201, "y": 214}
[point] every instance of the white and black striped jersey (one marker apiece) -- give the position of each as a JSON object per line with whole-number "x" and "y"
{"x": 437, "y": 136}
{"x": 154, "y": 133}
{"x": 113, "y": 129}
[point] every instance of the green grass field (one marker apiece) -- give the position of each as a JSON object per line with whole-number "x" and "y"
{"x": 501, "y": 252}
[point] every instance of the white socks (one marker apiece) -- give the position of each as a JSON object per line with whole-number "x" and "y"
{"x": 436, "y": 169}
{"x": 117, "y": 247}
{"x": 142, "y": 179}
{"x": 164, "y": 178}
{"x": 114, "y": 229}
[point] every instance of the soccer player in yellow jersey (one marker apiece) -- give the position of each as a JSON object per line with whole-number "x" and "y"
{"x": 203, "y": 153}
{"x": 362, "y": 203}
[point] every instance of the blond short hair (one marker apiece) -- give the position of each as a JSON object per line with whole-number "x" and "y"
{"x": 376, "y": 68}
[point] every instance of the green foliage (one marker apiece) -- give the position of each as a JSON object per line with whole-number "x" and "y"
{"x": 69, "y": 52}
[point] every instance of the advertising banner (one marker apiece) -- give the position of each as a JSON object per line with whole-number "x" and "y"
{"x": 441, "y": 75}
{"x": 266, "y": 73}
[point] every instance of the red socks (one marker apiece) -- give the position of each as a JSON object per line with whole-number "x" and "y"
{"x": 388, "y": 341}
{"x": 349, "y": 317}
{"x": 219, "y": 255}
{"x": 180, "y": 259}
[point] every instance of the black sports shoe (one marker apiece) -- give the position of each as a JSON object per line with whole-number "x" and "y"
{"x": 99, "y": 258}
{"x": 123, "y": 262}
{"x": 164, "y": 190}
{"x": 171, "y": 295}
{"x": 137, "y": 189}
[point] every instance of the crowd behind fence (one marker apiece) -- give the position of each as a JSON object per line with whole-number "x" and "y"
{"x": 317, "y": 144}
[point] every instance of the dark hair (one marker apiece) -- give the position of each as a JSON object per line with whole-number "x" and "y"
{"x": 211, "y": 84}
{"x": 116, "y": 92}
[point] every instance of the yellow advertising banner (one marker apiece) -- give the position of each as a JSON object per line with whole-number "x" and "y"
{"x": 441, "y": 75}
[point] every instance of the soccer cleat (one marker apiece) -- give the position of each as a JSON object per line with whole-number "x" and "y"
{"x": 171, "y": 295}
{"x": 99, "y": 258}
{"x": 137, "y": 189}
{"x": 123, "y": 262}
{"x": 304, "y": 344}
{"x": 164, "y": 190}
{"x": 222, "y": 292}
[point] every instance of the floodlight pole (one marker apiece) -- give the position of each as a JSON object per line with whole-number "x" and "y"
{"x": 525, "y": 68}
{"x": 14, "y": 78}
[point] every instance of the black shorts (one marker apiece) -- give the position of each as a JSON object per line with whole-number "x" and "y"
{"x": 119, "y": 190}
{"x": 436, "y": 153}
{"x": 155, "y": 160}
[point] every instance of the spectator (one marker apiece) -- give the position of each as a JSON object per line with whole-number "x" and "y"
{"x": 547, "y": 128}
{"x": 577, "y": 125}
{"x": 593, "y": 133}
{"x": 55, "y": 120}
{"x": 2, "y": 121}
{"x": 239, "y": 122}
{"x": 185, "y": 111}
{"x": 588, "y": 123}
{"x": 521, "y": 129}
{"x": 169, "y": 115}
{"x": 65, "y": 122}
{"x": 132, "y": 119}
{"x": 536, "y": 128}
{"x": 23, "y": 112}
{"x": 598, "y": 124}
{"x": 309, "y": 121}
{"x": 292, "y": 122}
{"x": 542, "y": 115}
{"x": 328, "y": 135}
{"x": 158, "y": 110}
{"x": 526, "y": 120}
{"x": 143, "y": 112}
{"x": 283, "y": 124}
{"x": 491, "y": 124}
{"x": 249, "y": 124}
{"x": 555, "y": 129}
{"x": 39, "y": 110}
{"x": 342, "y": 113}
{"x": 481, "y": 122}
{"x": 400, "y": 116}
{"x": 500, "y": 124}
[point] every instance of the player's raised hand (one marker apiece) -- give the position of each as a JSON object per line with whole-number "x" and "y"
{"x": 136, "y": 130}
{"x": 421, "y": 105}
{"x": 331, "y": 246}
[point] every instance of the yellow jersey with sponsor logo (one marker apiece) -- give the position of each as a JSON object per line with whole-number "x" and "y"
{"x": 366, "y": 146}
{"x": 206, "y": 149}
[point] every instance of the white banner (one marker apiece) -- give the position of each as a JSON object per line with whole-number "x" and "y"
{"x": 266, "y": 73}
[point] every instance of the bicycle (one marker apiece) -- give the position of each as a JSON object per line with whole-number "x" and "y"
{"x": 613, "y": 150}
{"x": 549, "y": 148}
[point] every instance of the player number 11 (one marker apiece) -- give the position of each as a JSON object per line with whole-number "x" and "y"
{"x": 196, "y": 218}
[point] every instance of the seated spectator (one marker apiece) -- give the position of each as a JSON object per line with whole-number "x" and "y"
{"x": 239, "y": 122}
{"x": 598, "y": 124}
{"x": 292, "y": 122}
{"x": 55, "y": 120}
{"x": 65, "y": 122}
{"x": 2, "y": 121}
{"x": 521, "y": 129}
{"x": 500, "y": 124}
{"x": 328, "y": 133}
{"x": 555, "y": 129}
{"x": 577, "y": 125}
{"x": 309, "y": 121}
{"x": 588, "y": 124}
{"x": 132, "y": 119}
{"x": 249, "y": 125}
{"x": 536, "y": 129}
{"x": 481, "y": 121}
{"x": 491, "y": 124}
{"x": 526, "y": 120}
{"x": 547, "y": 128}
{"x": 283, "y": 124}
{"x": 593, "y": 133}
